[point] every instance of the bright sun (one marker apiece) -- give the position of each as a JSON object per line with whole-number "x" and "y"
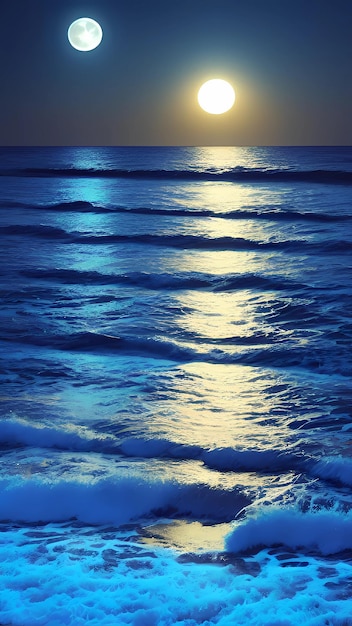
{"x": 85, "y": 34}
{"x": 216, "y": 96}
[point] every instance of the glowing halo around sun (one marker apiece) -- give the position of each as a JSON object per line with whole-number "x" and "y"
{"x": 85, "y": 34}
{"x": 216, "y": 96}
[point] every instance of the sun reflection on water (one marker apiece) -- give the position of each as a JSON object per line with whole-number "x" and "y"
{"x": 209, "y": 404}
{"x": 215, "y": 316}
{"x": 217, "y": 405}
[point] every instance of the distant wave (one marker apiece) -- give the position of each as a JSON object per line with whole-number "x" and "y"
{"x": 183, "y": 242}
{"x": 78, "y": 206}
{"x": 237, "y": 174}
{"x": 20, "y": 432}
{"x": 222, "y": 459}
{"x": 39, "y": 230}
{"x": 81, "y": 206}
{"x": 252, "y": 352}
{"x": 185, "y": 280}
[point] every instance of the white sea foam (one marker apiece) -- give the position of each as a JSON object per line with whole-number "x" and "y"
{"x": 58, "y": 575}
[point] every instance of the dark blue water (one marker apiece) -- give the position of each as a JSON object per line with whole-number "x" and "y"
{"x": 175, "y": 415}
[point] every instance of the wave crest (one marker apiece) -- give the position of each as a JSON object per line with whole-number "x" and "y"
{"x": 327, "y": 532}
{"x": 236, "y": 174}
{"x": 114, "y": 501}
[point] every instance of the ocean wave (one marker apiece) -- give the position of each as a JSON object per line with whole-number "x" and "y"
{"x": 185, "y": 280}
{"x": 221, "y": 459}
{"x": 38, "y": 230}
{"x": 183, "y": 242}
{"x": 325, "y": 531}
{"x": 239, "y": 214}
{"x": 114, "y": 500}
{"x": 336, "y": 469}
{"x": 68, "y": 437}
{"x": 92, "y": 342}
{"x": 192, "y": 242}
{"x": 252, "y": 352}
{"x": 19, "y": 432}
{"x": 133, "y": 279}
{"x": 264, "y": 213}
{"x": 237, "y": 174}
{"x": 232, "y": 460}
{"x": 78, "y": 206}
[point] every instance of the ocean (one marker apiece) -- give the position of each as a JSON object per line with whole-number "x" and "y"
{"x": 176, "y": 367}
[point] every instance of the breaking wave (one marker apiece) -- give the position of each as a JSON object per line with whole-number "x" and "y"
{"x": 327, "y": 532}
{"x": 114, "y": 501}
{"x": 67, "y": 437}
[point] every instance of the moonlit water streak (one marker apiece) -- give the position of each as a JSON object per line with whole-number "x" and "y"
{"x": 175, "y": 407}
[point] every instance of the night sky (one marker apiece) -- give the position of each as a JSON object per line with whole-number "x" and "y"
{"x": 288, "y": 61}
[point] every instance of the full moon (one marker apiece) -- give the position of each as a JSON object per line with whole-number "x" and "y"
{"x": 216, "y": 96}
{"x": 85, "y": 34}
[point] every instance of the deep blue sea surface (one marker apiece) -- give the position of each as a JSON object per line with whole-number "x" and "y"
{"x": 176, "y": 367}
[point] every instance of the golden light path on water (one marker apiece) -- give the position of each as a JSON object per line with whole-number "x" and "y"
{"x": 200, "y": 403}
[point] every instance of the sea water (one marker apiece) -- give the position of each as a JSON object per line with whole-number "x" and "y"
{"x": 176, "y": 394}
